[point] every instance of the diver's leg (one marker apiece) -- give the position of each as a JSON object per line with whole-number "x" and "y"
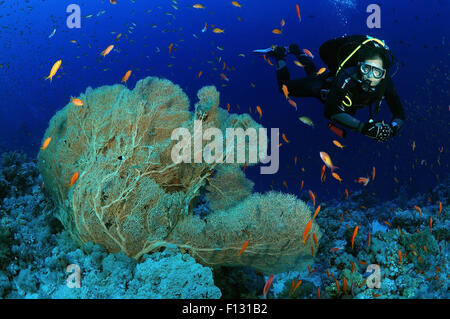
{"x": 305, "y": 87}
{"x": 282, "y": 74}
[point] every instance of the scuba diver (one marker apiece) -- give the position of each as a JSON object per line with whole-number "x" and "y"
{"x": 358, "y": 77}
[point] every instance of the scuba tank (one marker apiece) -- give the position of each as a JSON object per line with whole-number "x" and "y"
{"x": 334, "y": 51}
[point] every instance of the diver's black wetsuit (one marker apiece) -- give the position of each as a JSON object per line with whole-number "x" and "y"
{"x": 332, "y": 90}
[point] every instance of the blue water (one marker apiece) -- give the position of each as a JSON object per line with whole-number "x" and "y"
{"x": 416, "y": 31}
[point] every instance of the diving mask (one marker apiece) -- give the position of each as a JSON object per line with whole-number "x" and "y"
{"x": 371, "y": 70}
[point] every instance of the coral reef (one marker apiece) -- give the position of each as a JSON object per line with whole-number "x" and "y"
{"x": 35, "y": 251}
{"x": 131, "y": 196}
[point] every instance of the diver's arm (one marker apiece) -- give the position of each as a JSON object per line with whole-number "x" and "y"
{"x": 395, "y": 105}
{"x": 283, "y": 75}
{"x": 334, "y": 110}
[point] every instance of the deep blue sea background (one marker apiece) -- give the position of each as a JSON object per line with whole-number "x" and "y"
{"x": 416, "y": 31}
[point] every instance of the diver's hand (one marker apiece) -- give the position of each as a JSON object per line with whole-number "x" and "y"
{"x": 294, "y": 49}
{"x": 380, "y": 131}
{"x": 279, "y": 53}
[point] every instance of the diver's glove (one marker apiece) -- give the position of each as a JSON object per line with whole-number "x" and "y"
{"x": 294, "y": 49}
{"x": 278, "y": 53}
{"x": 380, "y": 131}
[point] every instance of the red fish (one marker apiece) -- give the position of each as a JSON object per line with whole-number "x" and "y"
{"x": 308, "y": 53}
{"x": 316, "y": 212}
{"x": 322, "y": 173}
{"x": 354, "y": 235}
{"x": 243, "y": 247}
{"x": 418, "y": 209}
{"x": 306, "y": 231}
{"x": 313, "y": 197}
{"x": 267, "y": 285}
{"x": 224, "y": 77}
{"x": 74, "y": 178}
{"x": 363, "y": 180}
{"x": 298, "y": 13}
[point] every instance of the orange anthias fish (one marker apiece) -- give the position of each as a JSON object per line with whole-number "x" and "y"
{"x": 217, "y": 30}
{"x": 301, "y": 186}
{"x": 126, "y": 77}
{"x": 77, "y": 102}
{"x": 224, "y": 77}
{"x": 399, "y": 255}
{"x": 198, "y": 6}
{"x": 313, "y": 197}
{"x": 285, "y": 184}
{"x": 297, "y": 63}
{"x": 297, "y": 285}
{"x": 277, "y": 31}
{"x": 267, "y": 285}
{"x": 322, "y": 173}
{"x": 236, "y": 4}
{"x": 298, "y": 13}
{"x": 284, "y": 138}
{"x": 308, "y": 53}
{"x": 321, "y": 71}
{"x": 413, "y": 145}
{"x": 315, "y": 239}
{"x": 74, "y": 178}
{"x": 46, "y": 142}
{"x": 54, "y": 69}
{"x": 373, "y": 173}
{"x": 243, "y": 247}
{"x": 107, "y": 50}
{"x": 118, "y": 36}
{"x": 338, "y": 144}
{"x": 346, "y": 193}
{"x": 440, "y": 208}
{"x": 295, "y": 160}
{"x": 292, "y": 103}
{"x": 200, "y": 73}
{"x": 327, "y": 160}
{"x": 316, "y": 212}
{"x": 336, "y": 176}
{"x": 418, "y": 209}
{"x": 170, "y": 48}
{"x": 354, "y": 235}
{"x": 258, "y": 109}
{"x": 306, "y": 230}
{"x": 285, "y": 91}
{"x": 363, "y": 180}
{"x": 345, "y": 285}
